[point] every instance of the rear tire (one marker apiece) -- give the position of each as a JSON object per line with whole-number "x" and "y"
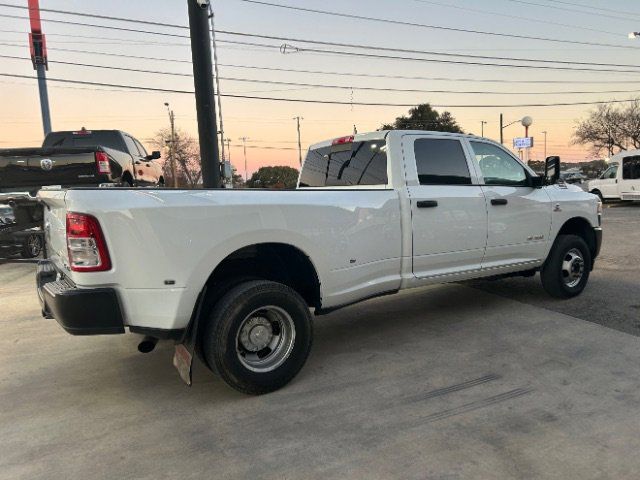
{"x": 258, "y": 336}
{"x": 566, "y": 272}
{"x": 32, "y": 246}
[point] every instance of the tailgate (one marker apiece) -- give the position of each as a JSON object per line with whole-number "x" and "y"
{"x": 30, "y": 169}
{"x": 55, "y": 226}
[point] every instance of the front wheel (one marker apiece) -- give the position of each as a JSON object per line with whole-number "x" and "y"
{"x": 258, "y": 336}
{"x": 566, "y": 272}
{"x": 598, "y": 193}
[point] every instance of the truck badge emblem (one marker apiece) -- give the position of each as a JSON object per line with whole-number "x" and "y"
{"x": 46, "y": 164}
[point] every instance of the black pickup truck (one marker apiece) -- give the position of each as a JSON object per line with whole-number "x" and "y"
{"x": 81, "y": 158}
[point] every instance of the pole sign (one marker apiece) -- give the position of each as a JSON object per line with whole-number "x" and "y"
{"x": 523, "y": 142}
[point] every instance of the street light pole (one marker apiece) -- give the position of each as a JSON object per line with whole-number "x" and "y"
{"x": 545, "y": 144}
{"x": 172, "y": 160}
{"x": 482, "y": 124}
{"x": 244, "y": 148}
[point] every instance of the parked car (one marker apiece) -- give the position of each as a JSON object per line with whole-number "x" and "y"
{"x": 27, "y": 243}
{"x": 235, "y": 274}
{"x": 572, "y": 177}
{"x": 621, "y": 181}
{"x": 80, "y": 158}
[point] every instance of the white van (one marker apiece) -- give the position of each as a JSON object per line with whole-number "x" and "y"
{"x": 621, "y": 181}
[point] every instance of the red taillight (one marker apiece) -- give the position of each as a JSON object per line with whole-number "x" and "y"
{"x": 343, "y": 140}
{"x": 102, "y": 163}
{"x": 85, "y": 243}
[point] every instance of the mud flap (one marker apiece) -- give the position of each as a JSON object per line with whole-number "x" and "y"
{"x": 185, "y": 348}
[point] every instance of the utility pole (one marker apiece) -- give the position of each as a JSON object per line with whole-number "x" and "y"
{"x": 215, "y": 67}
{"x": 172, "y": 142}
{"x": 297, "y": 119}
{"x": 482, "y": 124}
{"x": 203, "y": 83}
{"x": 545, "y": 144}
{"x": 244, "y": 147}
{"x": 38, "y": 48}
{"x": 228, "y": 142}
{"x": 501, "y": 129}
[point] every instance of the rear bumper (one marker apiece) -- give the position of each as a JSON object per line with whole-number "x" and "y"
{"x": 80, "y": 311}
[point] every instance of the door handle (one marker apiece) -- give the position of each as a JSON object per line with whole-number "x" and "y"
{"x": 427, "y": 203}
{"x": 499, "y": 201}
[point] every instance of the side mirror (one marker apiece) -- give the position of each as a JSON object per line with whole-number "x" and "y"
{"x": 155, "y": 155}
{"x": 552, "y": 170}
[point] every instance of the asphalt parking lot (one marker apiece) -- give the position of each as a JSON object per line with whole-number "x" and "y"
{"x": 476, "y": 381}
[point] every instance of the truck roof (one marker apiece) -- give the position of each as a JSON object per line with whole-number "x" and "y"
{"x": 382, "y": 134}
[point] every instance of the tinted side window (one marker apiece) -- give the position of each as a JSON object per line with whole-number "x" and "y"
{"x": 497, "y": 166}
{"x": 314, "y": 169}
{"x": 358, "y": 163}
{"x": 141, "y": 149}
{"x": 631, "y": 168}
{"x": 131, "y": 146}
{"x": 441, "y": 162}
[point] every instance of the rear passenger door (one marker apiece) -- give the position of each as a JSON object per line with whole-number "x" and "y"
{"x": 448, "y": 211}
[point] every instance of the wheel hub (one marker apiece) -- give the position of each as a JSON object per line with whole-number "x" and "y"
{"x": 256, "y": 334}
{"x": 572, "y": 268}
{"x": 265, "y": 338}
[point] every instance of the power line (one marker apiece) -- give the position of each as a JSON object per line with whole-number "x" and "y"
{"x": 581, "y": 5}
{"x": 327, "y": 86}
{"x": 328, "y": 72}
{"x": 422, "y": 52}
{"x": 515, "y": 17}
{"x": 573, "y": 10}
{"x": 355, "y": 46}
{"x": 429, "y": 26}
{"x": 325, "y": 102}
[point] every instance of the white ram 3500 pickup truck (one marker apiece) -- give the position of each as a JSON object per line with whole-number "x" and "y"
{"x": 234, "y": 275}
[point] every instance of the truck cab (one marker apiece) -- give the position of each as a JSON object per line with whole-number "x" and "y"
{"x": 621, "y": 181}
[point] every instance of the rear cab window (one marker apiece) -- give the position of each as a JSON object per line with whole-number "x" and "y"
{"x": 344, "y": 164}
{"x": 86, "y": 138}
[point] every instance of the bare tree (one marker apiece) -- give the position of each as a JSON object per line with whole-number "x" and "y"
{"x": 610, "y": 127}
{"x": 186, "y": 152}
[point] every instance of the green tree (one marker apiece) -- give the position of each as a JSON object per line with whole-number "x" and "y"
{"x": 423, "y": 117}
{"x": 274, "y": 177}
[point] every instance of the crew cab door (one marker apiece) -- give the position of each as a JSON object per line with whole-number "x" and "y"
{"x": 629, "y": 186}
{"x": 519, "y": 215}
{"x": 448, "y": 211}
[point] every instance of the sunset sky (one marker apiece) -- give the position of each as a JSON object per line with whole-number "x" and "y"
{"x": 269, "y": 124}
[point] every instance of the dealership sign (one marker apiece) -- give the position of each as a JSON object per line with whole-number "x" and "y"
{"x": 523, "y": 142}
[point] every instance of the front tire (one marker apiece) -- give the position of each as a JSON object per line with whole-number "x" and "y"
{"x": 258, "y": 336}
{"x": 566, "y": 272}
{"x": 598, "y": 193}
